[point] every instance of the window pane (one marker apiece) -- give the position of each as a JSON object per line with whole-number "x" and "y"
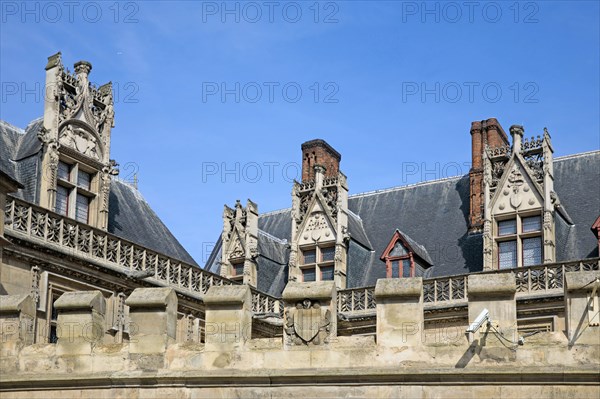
{"x": 406, "y": 268}
{"x": 64, "y": 170}
{"x": 327, "y": 273}
{"x": 506, "y": 227}
{"x": 395, "y": 269}
{"x": 82, "y": 208}
{"x": 532, "y": 224}
{"x": 327, "y": 254}
{"x": 308, "y": 274}
{"x": 309, "y": 256}
{"x": 62, "y": 200}
{"x": 238, "y": 269}
{"x": 532, "y": 251}
{"x": 507, "y": 254}
{"x": 83, "y": 179}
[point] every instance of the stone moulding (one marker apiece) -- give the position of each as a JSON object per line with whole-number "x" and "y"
{"x": 400, "y": 287}
{"x": 92, "y": 300}
{"x": 503, "y": 283}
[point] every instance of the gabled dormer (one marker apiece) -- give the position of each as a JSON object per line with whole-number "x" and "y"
{"x": 240, "y": 243}
{"x": 520, "y": 202}
{"x": 318, "y": 247}
{"x": 76, "y": 164}
{"x": 404, "y": 257}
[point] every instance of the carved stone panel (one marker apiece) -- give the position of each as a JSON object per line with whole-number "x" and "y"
{"x": 518, "y": 193}
{"x": 307, "y": 323}
{"x": 318, "y": 227}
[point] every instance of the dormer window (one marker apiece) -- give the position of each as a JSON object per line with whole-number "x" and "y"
{"x": 74, "y": 194}
{"x": 519, "y": 241}
{"x": 237, "y": 270}
{"x": 403, "y": 257}
{"x": 317, "y": 263}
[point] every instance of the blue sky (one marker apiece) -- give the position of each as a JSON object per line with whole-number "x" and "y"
{"x": 214, "y": 98}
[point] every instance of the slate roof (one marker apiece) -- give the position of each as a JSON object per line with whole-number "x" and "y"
{"x": 130, "y": 216}
{"x": 442, "y": 237}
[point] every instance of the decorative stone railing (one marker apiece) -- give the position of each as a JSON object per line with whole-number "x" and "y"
{"x": 38, "y": 224}
{"x": 266, "y": 304}
{"x": 31, "y": 221}
{"x": 443, "y": 290}
{"x": 356, "y": 300}
{"x": 532, "y": 281}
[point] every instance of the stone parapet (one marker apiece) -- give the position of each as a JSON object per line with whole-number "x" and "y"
{"x": 582, "y": 307}
{"x": 153, "y": 319}
{"x": 400, "y": 312}
{"x": 17, "y": 314}
{"x": 80, "y": 323}
{"x": 496, "y": 293}
{"x": 228, "y": 317}
{"x": 310, "y": 316}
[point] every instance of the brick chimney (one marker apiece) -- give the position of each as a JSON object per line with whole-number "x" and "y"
{"x": 483, "y": 133}
{"x": 318, "y": 152}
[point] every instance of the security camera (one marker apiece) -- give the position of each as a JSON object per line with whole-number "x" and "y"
{"x": 483, "y": 317}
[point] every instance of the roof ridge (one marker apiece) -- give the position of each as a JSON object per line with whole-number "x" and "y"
{"x": 272, "y": 237}
{"x": 275, "y": 212}
{"x": 14, "y": 127}
{"x": 396, "y": 188}
{"x": 136, "y": 192}
{"x": 580, "y": 154}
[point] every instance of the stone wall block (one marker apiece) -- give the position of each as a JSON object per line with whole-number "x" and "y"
{"x": 80, "y": 324}
{"x": 17, "y": 314}
{"x": 228, "y": 317}
{"x": 153, "y": 317}
{"x": 399, "y": 312}
{"x": 496, "y": 293}
{"x": 310, "y": 314}
{"x": 581, "y": 308}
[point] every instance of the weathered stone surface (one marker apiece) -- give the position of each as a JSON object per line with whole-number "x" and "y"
{"x": 310, "y": 315}
{"x": 151, "y": 297}
{"x": 153, "y": 319}
{"x": 17, "y": 304}
{"x": 314, "y": 290}
{"x": 581, "y": 312}
{"x": 496, "y": 293}
{"x": 576, "y": 281}
{"x": 490, "y": 284}
{"x": 400, "y": 312}
{"x": 227, "y": 294}
{"x": 398, "y": 287}
{"x": 80, "y": 300}
{"x": 228, "y": 317}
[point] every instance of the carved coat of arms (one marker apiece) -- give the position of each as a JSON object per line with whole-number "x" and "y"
{"x": 307, "y": 322}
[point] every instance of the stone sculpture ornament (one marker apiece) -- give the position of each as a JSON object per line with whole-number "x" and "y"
{"x": 307, "y": 323}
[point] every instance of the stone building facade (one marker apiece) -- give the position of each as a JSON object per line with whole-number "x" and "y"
{"x": 493, "y": 293}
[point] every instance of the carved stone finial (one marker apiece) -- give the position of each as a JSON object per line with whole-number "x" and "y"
{"x": 517, "y": 131}
{"x": 54, "y": 61}
{"x": 83, "y": 68}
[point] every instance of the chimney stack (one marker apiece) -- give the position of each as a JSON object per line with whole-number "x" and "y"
{"x": 483, "y": 133}
{"x": 319, "y": 153}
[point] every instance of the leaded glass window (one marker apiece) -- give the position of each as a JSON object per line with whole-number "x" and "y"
{"x": 62, "y": 200}
{"x": 531, "y": 224}
{"x": 507, "y": 227}
{"x": 507, "y": 254}
{"x": 532, "y": 251}
{"x": 308, "y": 274}
{"x": 326, "y": 273}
